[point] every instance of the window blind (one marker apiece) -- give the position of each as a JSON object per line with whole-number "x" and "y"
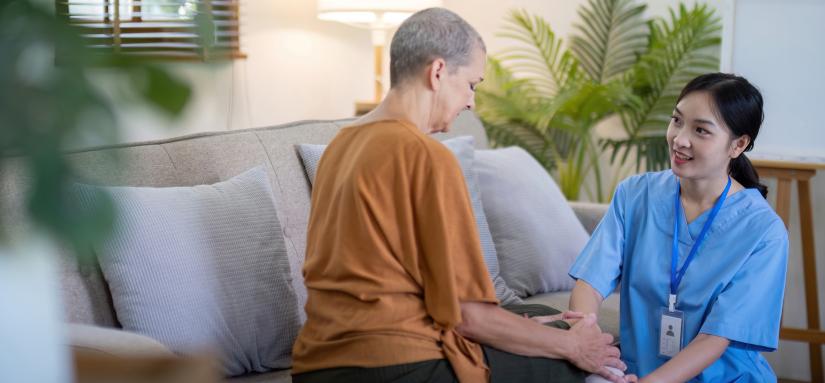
{"x": 174, "y": 29}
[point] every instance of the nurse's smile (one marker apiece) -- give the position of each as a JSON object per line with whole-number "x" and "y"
{"x": 679, "y": 158}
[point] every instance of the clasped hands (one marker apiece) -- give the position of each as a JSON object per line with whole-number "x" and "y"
{"x": 595, "y": 351}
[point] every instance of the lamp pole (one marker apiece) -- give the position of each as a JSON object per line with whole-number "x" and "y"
{"x": 379, "y": 40}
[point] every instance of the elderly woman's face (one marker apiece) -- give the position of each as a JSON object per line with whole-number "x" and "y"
{"x": 458, "y": 91}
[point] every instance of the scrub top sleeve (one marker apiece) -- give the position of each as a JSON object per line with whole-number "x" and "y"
{"x": 600, "y": 262}
{"x": 749, "y": 309}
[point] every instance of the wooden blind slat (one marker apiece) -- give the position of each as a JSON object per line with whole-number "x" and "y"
{"x": 168, "y": 35}
{"x": 153, "y": 24}
{"x": 153, "y": 16}
{"x": 141, "y": 3}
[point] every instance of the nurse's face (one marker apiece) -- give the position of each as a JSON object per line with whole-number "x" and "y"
{"x": 701, "y": 145}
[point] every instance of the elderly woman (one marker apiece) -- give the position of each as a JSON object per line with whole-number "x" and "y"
{"x": 398, "y": 289}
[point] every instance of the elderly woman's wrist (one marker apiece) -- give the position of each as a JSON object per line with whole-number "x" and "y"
{"x": 565, "y": 346}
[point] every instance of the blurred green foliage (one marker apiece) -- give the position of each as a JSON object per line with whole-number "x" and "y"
{"x": 49, "y": 99}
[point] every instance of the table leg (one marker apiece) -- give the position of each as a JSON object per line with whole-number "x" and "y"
{"x": 783, "y": 200}
{"x": 809, "y": 267}
{"x": 783, "y": 209}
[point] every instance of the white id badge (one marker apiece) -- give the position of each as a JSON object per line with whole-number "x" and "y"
{"x": 670, "y": 332}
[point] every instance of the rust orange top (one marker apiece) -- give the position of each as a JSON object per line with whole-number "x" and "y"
{"x": 392, "y": 250}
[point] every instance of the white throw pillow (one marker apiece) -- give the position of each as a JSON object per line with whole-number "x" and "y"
{"x": 536, "y": 232}
{"x": 203, "y": 268}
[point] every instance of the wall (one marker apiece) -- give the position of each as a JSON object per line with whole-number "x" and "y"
{"x": 302, "y": 68}
{"x": 779, "y": 46}
{"x": 786, "y": 61}
{"x": 298, "y": 67}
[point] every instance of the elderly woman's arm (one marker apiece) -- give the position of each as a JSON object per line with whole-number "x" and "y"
{"x": 584, "y": 344}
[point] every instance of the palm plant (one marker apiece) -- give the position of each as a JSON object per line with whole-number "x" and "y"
{"x": 547, "y": 98}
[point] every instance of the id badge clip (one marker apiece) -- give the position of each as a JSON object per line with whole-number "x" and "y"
{"x": 671, "y": 326}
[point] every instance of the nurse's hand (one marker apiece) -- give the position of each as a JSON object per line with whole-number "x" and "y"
{"x": 592, "y": 351}
{"x": 570, "y": 317}
{"x": 624, "y": 378}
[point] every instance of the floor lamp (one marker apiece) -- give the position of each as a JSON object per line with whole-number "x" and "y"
{"x": 379, "y": 16}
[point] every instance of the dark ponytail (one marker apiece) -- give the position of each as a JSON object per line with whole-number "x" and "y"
{"x": 740, "y": 105}
{"x": 743, "y": 172}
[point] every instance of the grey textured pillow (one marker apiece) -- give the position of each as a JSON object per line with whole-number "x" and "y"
{"x": 536, "y": 232}
{"x": 462, "y": 147}
{"x": 204, "y": 268}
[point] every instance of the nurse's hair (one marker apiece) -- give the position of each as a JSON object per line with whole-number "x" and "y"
{"x": 429, "y": 34}
{"x": 739, "y": 104}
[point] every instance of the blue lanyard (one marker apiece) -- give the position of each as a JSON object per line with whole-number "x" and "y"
{"x": 676, "y": 278}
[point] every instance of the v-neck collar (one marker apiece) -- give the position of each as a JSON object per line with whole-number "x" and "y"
{"x": 665, "y": 214}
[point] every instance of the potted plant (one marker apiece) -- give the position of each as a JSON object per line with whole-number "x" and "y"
{"x": 547, "y": 97}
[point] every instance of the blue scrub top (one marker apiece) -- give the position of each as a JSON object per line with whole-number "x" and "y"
{"x": 733, "y": 288}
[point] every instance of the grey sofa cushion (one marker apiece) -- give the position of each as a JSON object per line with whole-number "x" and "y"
{"x": 311, "y": 156}
{"x": 204, "y": 267}
{"x": 537, "y": 234}
{"x": 462, "y": 147}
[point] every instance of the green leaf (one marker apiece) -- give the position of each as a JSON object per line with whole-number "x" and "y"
{"x": 540, "y": 54}
{"x": 681, "y": 48}
{"x": 610, "y": 38}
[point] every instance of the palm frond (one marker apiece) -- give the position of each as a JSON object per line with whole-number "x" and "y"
{"x": 524, "y": 136}
{"x": 515, "y": 113}
{"x": 681, "y": 48}
{"x": 650, "y": 151}
{"x": 610, "y": 38}
{"x": 540, "y": 55}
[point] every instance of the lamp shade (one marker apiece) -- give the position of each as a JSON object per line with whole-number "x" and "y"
{"x": 372, "y": 14}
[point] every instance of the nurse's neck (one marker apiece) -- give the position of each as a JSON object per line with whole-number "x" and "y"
{"x": 700, "y": 194}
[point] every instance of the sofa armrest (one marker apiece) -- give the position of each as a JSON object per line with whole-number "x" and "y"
{"x": 590, "y": 214}
{"x": 113, "y": 342}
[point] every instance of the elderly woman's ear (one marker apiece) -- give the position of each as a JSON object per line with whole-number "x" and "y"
{"x": 435, "y": 70}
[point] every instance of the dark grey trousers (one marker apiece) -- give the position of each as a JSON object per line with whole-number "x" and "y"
{"x": 504, "y": 366}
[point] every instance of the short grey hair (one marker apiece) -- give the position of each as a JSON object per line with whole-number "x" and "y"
{"x": 429, "y": 34}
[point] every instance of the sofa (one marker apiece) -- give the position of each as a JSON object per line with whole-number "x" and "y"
{"x": 205, "y": 159}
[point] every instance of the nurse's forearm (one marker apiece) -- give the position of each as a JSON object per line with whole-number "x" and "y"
{"x": 698, "y": 355}
{"x": 585, "y": 298}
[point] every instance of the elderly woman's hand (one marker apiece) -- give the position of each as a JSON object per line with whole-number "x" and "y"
{"x": 592, "y": 350}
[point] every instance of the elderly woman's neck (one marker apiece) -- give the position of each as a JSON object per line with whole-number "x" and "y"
{"x": 403, "y": 103}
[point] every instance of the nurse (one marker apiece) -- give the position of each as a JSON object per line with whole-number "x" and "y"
{"x": 699, "y": 255}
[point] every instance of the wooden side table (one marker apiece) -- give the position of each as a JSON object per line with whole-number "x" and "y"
{"x": 786, "y": 172}
{"x": 99, "y": 367}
